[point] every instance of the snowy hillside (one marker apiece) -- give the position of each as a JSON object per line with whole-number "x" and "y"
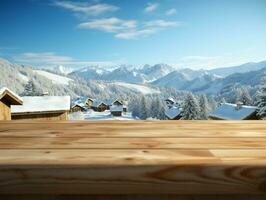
{"x": 175, "y": 80}
{"x": 56, "y": 79}
{"x": 138, "y": 88}
{"x": 238, "y": 69}
{"x": 62, "y": 69}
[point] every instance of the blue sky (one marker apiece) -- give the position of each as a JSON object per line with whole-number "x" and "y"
{"x": 183, "y": 33}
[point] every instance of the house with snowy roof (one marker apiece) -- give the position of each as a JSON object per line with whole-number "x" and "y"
{"x": 77, "y": 108}
{"x": 99, "y": 106}
{"x": 116, "y": 110}
{"x": 170, "y": 102}
{"x": 88, "y": 102}
{"x": 42, "y": 108}
{"x": 228, "y": 111}
{"x": 8, "y": 98}
{"x": 173, "y": 113}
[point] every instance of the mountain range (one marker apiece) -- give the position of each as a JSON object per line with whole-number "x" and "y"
{"x": 147, "y": 79}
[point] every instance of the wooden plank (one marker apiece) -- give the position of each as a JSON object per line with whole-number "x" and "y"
{"x": 199, "y": 157}
{"x": 133, "y": 129}
{"x": 114, "y": 157}
{"x": 132, "y": 143}
{"x": 133, "y": 179}
{"x": 139, "y": 125}
{"x": 134, "y": 197}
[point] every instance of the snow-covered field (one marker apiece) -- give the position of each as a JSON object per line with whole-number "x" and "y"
{"x": 92, "y": 115}
{"x": 56, "y": 79}
{"x": 138, "y": 88}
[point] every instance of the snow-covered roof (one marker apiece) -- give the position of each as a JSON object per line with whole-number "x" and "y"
{"x": 173, "y": 112}
{"x": 97, "y": 103}
{"x": 170, "y": 99}
{"x": 17, "y": 100}
{"x": 78, "y": 104}
{"x": 116, "y": 108}
{"x": 42, "y": 104}
{"x": 231, "y": 112}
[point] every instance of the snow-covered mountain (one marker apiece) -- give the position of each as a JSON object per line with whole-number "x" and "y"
{"x": 16, "y": 77}
{"x": 94, "y": 80}
{"x": 89, "y": 73}
{"x": 174, "y": 79}
{"x": 155, "y": 72}
{"x": 124, "y": 73}
{"x": 62, "y": 69}
{"x": 225, "y": 71}
{"x": 182, "y": 81}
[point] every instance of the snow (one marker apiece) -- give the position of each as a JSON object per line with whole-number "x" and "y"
{"x": 172, "y": 112}
{"x": 42, "y": 104}
{"x": 4, "y": 89}
{"x": 116, "y": 108}
{"x": 106, "y": 115}
{"x": 56, "y": 79}
{"x": 138, "y": 88}
{"x": 23, "y": 77}
{"x": 228, "y": 111}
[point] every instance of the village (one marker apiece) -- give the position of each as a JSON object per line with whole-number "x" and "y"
{"x": 14, "y": 107}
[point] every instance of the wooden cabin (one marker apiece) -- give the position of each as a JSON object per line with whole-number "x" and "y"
{"x": 173, "y": 113}
{"x": 89, "y": 102}
{"x": 117, "y": 103}
{"x": 227, "y": 111}
{"x": 42, "y": 108}
{"x": 8, "y": 98}
{"x": 116, "y": 110}
{"x": 99, "y": 106}
{"x": 77, "y": 108}
{"x": 170, "y": 102}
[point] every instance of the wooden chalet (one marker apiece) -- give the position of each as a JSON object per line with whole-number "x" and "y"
{"x": 170, "y": 102}
{"x": 77, "y": 108}
{"x": 42, "y": 108}
{"x": 89, "y": 102}
{"x": 116, "y": 110}
{"x": 99, "y": 106}
{"x": 8, "y": 98}
{"x": 117, "y": 103}
{"x": 227, "y": 111}
{"x": 173, "y": 113}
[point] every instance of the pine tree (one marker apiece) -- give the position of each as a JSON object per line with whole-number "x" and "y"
{"x": 244, "y": 96}
{"x": 191, "y": 109}
{"x": 204, "y": 107}
{"x": 30, "y": 90}
{"x": 161, "y": 109}
{"x": 154, "y": 108}
{"x": 261, "y": 96}
{"x": 143, "y": 108}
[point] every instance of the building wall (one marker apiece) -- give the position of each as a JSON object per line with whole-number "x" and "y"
{"x": 116, "y": 113}
{"x": 76, "y": 109}
{"x": 5, "y": 111}
{"x": 41, "y": 116}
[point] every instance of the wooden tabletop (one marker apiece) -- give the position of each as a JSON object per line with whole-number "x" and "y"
{"x": 133, "y": 157}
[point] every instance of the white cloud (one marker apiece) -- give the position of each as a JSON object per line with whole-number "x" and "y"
{"x": 44, "y": 58}
{"x": 51, "y": 59}
{"x": 134, "y": 34}
{"x": 109, "y": 24}
{"x": 86, "y": 8}
{"x": 128, "y": 29}
{"x": 151, "y": 7}
{"x": 171, "y": 11}
{"x": 162, "y": 23}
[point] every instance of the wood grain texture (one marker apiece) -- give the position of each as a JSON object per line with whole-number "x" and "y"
{"x": 141, "y": 157}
